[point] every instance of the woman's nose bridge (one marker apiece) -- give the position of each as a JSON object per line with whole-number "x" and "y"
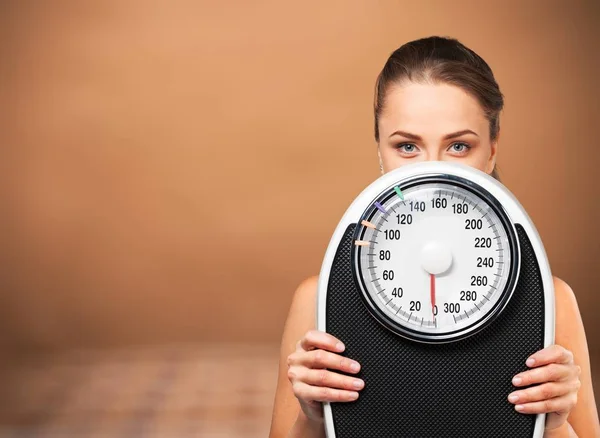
{"x": 432, "y": 152}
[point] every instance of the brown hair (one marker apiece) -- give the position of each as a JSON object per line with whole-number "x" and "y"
{"x": 440, "y": 59}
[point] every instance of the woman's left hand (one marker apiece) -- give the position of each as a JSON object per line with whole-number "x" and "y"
{"x": 557, "y": 379}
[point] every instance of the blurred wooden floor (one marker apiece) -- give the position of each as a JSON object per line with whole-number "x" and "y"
{"x": 185, "y": 391}
{"x": 209, "y": 391}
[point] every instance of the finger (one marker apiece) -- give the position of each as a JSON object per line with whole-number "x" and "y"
{"x": 318, "y": 359}
{"x": 551, "y": 354}
{"x": 309, "y": 393}
{"x": 543, "y": 392}
{"x": 549, "y": 373}
{"x": 314, "y": 339}
{"x": 331, "y": 380}
{"x": 559, "y": 405}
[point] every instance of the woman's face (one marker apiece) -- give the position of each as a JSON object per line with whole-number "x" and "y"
{"x": 427, "y": 122}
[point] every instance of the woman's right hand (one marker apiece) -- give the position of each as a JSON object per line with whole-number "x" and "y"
{"x": 312, "y": 383}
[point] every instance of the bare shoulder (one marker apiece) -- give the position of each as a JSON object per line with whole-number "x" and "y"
{"x": 568, "y": 318}
{"x": 570, "y": 334}
{"x": 307, "y": 290}
{"x": 563, "y": 294}
{"x": 302, "y": 312}
{"x": 569, "y": 326}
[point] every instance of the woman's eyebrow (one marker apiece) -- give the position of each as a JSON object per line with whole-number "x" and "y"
{"x": 446, "y": 137}
{"x": 459, "y": 133}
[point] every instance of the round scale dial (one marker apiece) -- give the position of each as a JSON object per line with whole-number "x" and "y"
{"x": 435, "y": 258}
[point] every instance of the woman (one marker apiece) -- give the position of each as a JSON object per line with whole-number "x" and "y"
{"x": 435, "y": 99}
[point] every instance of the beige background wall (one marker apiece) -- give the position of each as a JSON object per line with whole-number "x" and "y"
{"x": 171, "y": 170}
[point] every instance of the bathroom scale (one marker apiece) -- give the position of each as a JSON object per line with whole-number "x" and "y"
{"x": 438, "y": 284}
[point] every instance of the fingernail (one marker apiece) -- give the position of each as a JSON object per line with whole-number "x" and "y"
{"x": 358, "y": 383}
{"x": 516, "y": 380}
{"x": 529, "y": 362}
{"x": 354, "y": 395}
{"x": 519, "y": 407}
{"x": 340, "y": 346}
{"x": 354, "y": 366}
{"x": 513, "y": 398}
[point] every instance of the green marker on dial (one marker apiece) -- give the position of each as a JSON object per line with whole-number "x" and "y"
{"x": 399, "y": 192}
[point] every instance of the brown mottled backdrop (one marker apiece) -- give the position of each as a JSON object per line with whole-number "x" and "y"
{"x": 171, "y": 170}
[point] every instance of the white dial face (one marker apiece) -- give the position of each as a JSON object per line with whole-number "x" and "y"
{"x": 434, "y": 258}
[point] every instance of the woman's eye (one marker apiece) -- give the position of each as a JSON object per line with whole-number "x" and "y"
{"x": 407, "y": 147}
{"x": 460, "y": 147}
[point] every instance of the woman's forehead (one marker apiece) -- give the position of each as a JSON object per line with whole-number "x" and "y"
{"x": 428, "y": 108}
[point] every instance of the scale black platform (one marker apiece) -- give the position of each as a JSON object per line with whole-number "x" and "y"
{"x": 438, "y": 284}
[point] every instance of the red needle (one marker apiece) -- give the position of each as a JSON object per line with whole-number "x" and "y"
{"x": 432, "y": 289}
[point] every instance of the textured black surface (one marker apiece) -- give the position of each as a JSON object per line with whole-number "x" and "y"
{"x": 458, "y": 389}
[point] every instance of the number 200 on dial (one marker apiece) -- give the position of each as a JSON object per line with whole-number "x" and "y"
{"x": 436, "y": 260}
